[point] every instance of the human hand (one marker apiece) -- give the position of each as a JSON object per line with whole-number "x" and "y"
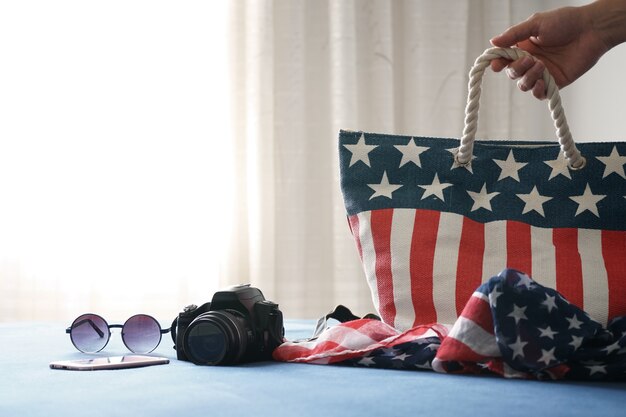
{"x": 565, "y": 41}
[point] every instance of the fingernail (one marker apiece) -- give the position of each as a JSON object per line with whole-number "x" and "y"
{"x": 511, "y": 73}
{"x": 521, "y": 86}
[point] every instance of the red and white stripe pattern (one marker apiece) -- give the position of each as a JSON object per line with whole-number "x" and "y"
{"x": 471, "y": 345}
{"x": 422, "y": 265}
{"x": 353, "y": 339}
{"x": 511, "y": 326}
{"x": 471, "y": 340}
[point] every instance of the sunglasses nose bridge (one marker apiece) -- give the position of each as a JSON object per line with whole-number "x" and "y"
{"x": 112, "y": 330}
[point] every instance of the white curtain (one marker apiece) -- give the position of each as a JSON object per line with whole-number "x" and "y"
{"x": 142, "y": 167}
{"x": 302, "y": 70}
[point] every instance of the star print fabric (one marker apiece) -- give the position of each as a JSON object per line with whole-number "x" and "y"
{"x": 511, "y": 327}
{"x": 429, "y": 231}
{"x": 517, "y": 328}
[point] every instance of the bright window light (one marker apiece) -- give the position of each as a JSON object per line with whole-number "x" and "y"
{"x": 113, "y": 135}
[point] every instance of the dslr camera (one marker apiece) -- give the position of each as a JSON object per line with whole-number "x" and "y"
{"x": 238, "y": 325}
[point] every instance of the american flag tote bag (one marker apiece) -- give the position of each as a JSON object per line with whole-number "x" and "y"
{"x": 433, "y": 218}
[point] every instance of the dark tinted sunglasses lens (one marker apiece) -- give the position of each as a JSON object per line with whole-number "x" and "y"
{"x": 141, "y": 334}
{"x": 90, "y": 333}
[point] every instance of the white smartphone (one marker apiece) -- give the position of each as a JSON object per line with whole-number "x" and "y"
{"x": 111, "y": 362}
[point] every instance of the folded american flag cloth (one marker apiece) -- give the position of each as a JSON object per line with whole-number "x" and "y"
{"x": 511, "y": 326}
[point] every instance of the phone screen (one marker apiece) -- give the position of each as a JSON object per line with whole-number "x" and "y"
{"x": 111, "y": 362}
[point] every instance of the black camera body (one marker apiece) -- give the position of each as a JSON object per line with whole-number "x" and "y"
{"x": 238, "y": 325}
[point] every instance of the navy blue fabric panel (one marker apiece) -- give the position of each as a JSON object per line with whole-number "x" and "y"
{"x": 557, "y": 194}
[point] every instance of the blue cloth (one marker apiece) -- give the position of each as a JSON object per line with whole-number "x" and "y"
{"x": 30, "y": 388}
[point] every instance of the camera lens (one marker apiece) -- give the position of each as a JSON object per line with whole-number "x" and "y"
{"x": 216, "y": 338}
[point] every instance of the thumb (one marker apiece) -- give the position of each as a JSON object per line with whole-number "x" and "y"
{"x": 517, "y": 33}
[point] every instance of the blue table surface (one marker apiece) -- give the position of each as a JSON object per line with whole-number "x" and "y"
{"x": 30, "y": 388}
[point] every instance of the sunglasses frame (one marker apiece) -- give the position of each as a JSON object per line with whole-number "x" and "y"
{"x": 77, "y": 323}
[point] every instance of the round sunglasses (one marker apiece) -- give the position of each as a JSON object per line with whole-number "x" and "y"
{"x": 90, "y": 333}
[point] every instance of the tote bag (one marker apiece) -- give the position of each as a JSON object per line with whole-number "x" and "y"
{"x": 433, "y": 218}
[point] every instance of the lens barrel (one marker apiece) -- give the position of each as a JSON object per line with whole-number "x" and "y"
{"x": 217, "y": 338}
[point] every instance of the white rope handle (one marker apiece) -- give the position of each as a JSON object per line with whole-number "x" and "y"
{"x": 465, "y": 151}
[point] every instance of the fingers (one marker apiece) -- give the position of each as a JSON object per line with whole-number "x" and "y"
{"x": 517, "y": 33}
{"x": 520, "y": 67}
{"x": 530, "y": 79}
{"x": 539, "y": 90}
{"x": 527, "y": 71}
{"x": 499, "y": 64}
